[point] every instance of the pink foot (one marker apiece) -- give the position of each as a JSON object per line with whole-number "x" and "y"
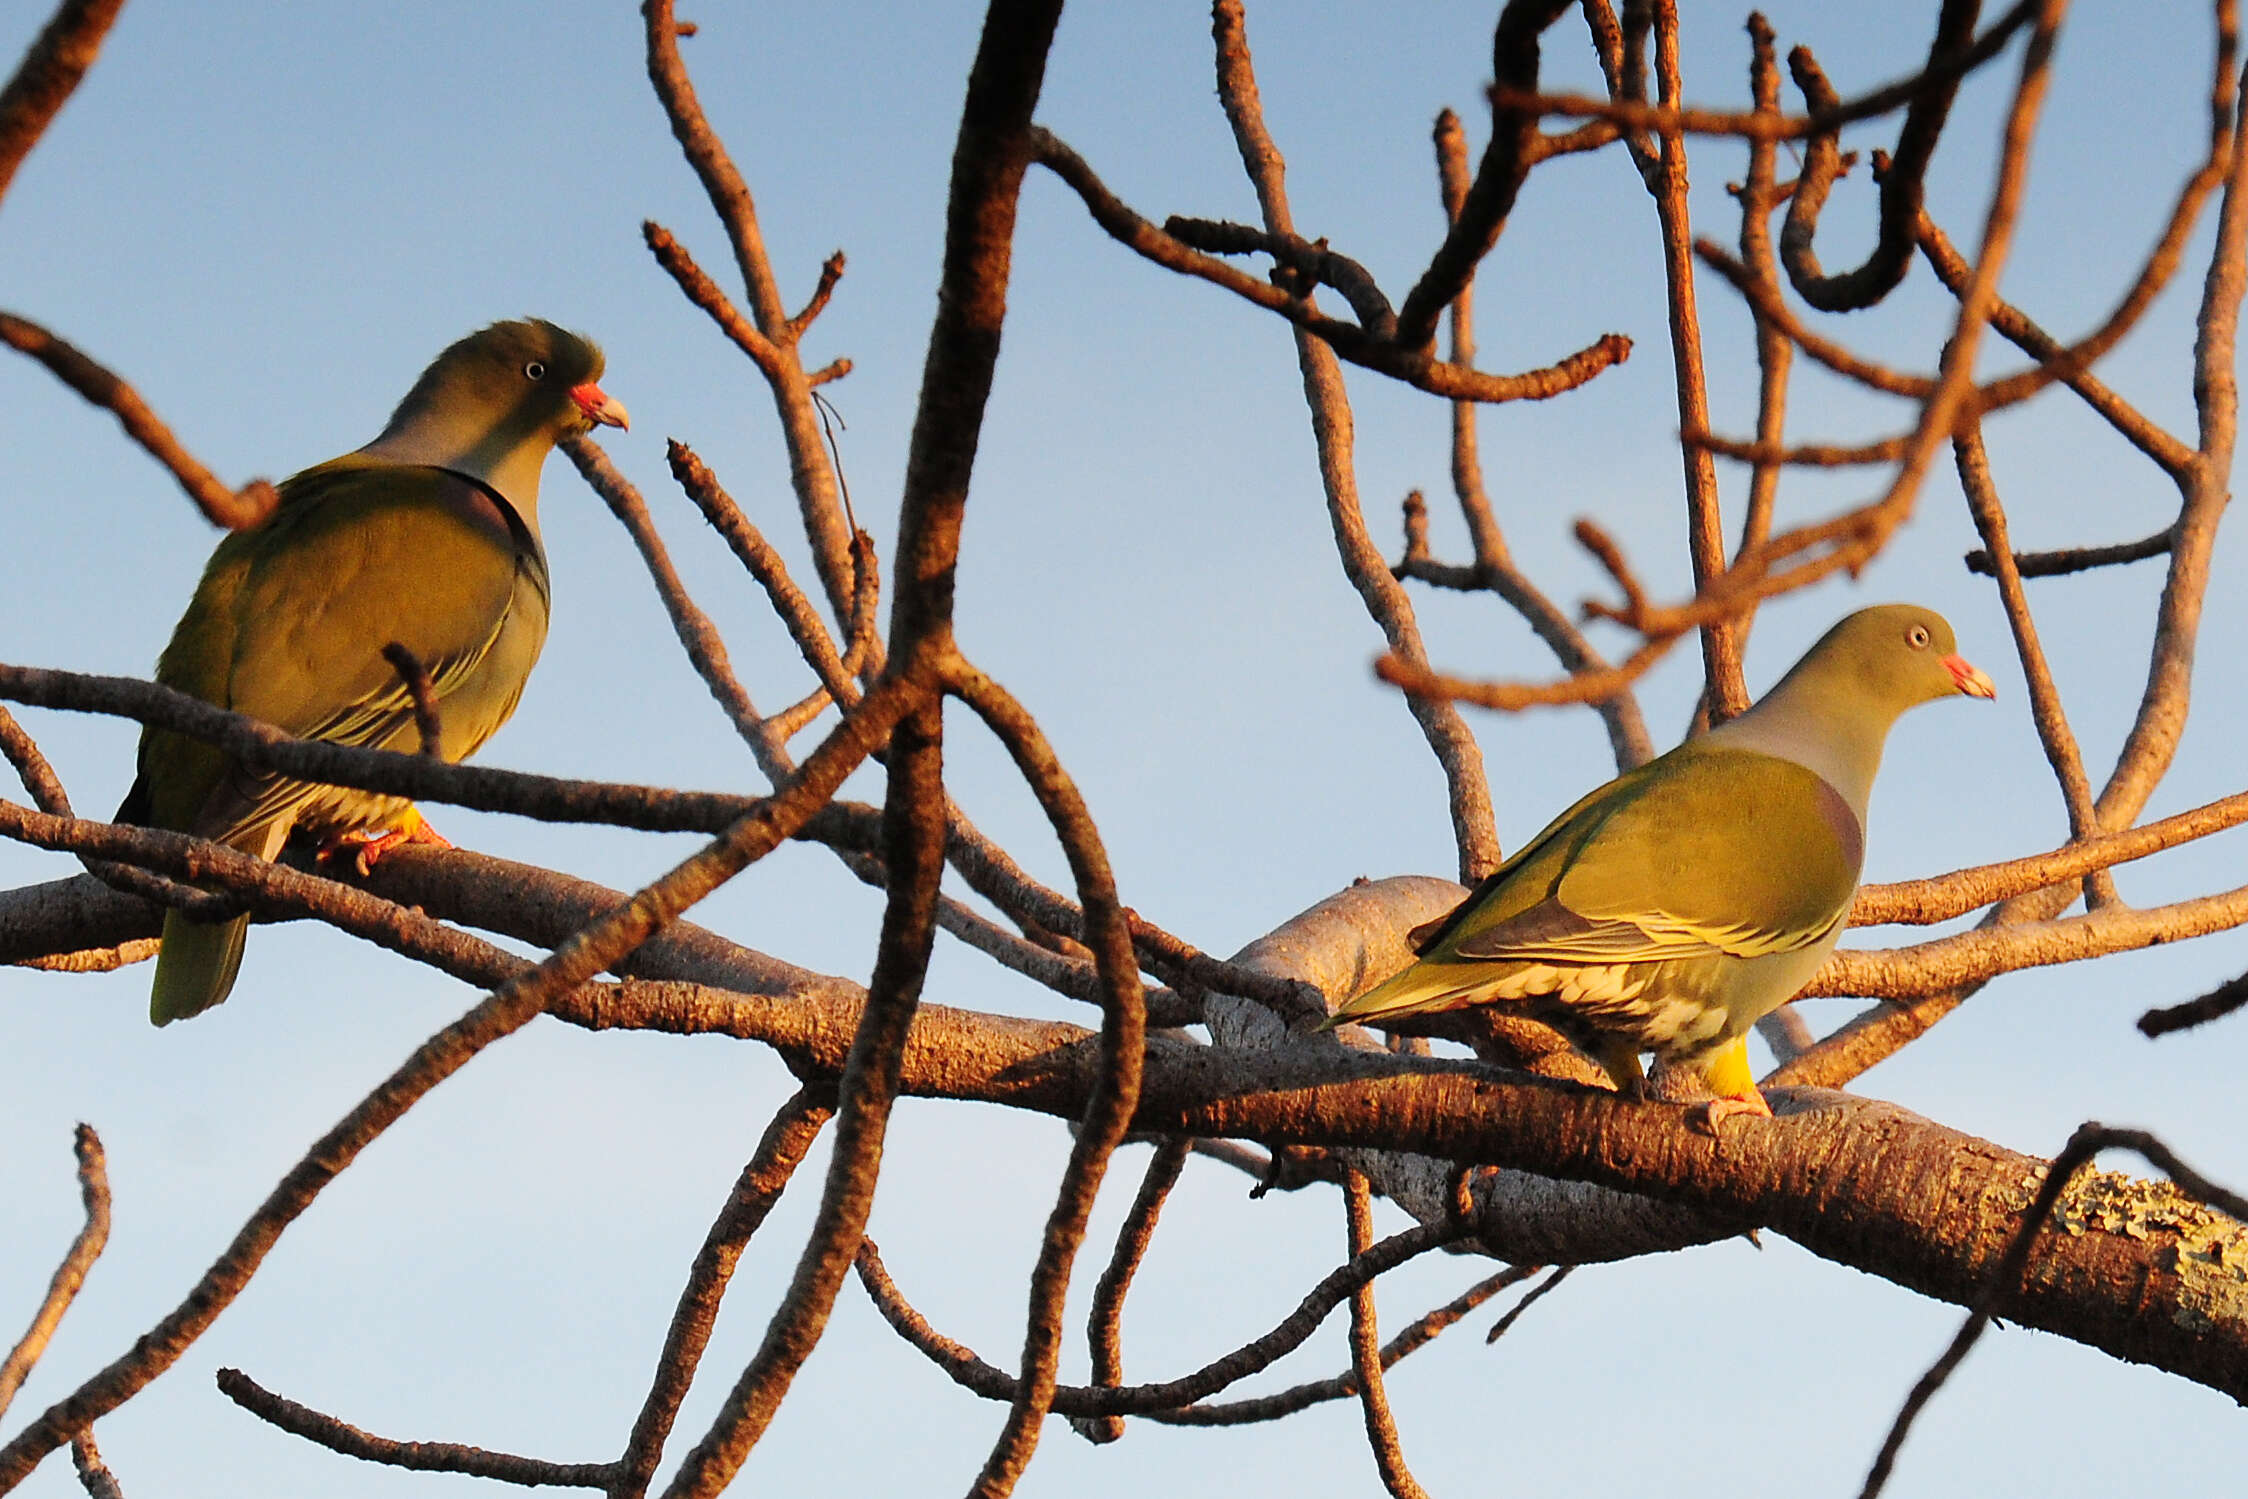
{"x": 1707, "y": 1117}
{"x": 368, "y": 848}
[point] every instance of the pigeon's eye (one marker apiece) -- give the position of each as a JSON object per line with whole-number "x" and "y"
{"x": 1917, "y": 637}
{"x": 534, "y": 371}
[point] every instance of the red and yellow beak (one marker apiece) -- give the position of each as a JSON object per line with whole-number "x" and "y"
{"x": 1969, "y": 679}
{"x": 599, "y": 407}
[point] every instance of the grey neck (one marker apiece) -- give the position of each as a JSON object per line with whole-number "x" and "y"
{"x": 1841, "y": 741}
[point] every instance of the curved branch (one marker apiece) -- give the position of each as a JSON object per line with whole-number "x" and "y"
{"x": 1108, "y": 1114}
{"x": 236, "y": 510}
{"x": 1901, "y": 185}
{"x": 1366, "y": 1352}
{"x": 1103, "y": 1325}
{"x": 972, "y": 1373}
{"x": 420, "y": 1457}
{"x": 1409, "y": 1339}
{"x": 1636, "y": 114}
{"x": 1507, "y": 159}
{"x": 1415, "y": 367}
{"x": 70, "y": 1275}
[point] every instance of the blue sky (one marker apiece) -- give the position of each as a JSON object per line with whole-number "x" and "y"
{"x": 270, "y": 219}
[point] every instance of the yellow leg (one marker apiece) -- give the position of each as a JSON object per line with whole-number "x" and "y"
{"x": 1729, "y": 1078}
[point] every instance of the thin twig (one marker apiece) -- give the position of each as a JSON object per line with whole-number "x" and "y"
{"x": 1536, "y": 1294}
{"x": 93, "y": 1473}
{"x": 1366, "y": 1353}
{"x": 706, "y": 294}
{"x": 1972, "y": 460}
{"x": 972, "y": 1373}
{"x": 236, "y": 510}
{"x": 1593, "y": 686}
{"x": 1775, "y": 354}
{"x": 70, "y": 1275}
{"x": 764, "y": 563}
{"x": 415, "y": 678}
{"x": 1723, "y": 638}
{"x": 1769, "y": 455}
{"x": 1104, "y": 1324}
{"x": 698, "y": 635}
{"x": 831, "y": 271}
{"x": 1384, "y": 598}
{"x": 2066, "y": 560}
{"x": 787, "y": 1139}
{"x": 2217, "y": 1003}
{"x": 261, "y": 746}
{"x": 421, "y": 1457}
{"x": 1410, "y": 1339}
{"x": 1108, "y": 1113}
{"x": 96, "y": 959}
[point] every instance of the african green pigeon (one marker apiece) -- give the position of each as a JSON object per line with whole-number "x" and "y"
{"x": 1671, "y": 908}
{"x": 428, "y": 537}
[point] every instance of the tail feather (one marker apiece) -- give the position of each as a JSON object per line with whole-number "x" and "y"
{"x": 1422, "y": 989}
{"x": 196, "y": 966}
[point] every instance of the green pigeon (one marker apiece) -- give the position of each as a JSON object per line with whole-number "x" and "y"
{"x": 428, "y": 537}
{"x": 1671, "y": 908}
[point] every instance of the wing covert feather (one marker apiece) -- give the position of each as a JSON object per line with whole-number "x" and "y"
{"x": 1700, "y": 853}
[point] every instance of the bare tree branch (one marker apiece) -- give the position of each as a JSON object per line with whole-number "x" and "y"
{"x": 2089, "y": 1140}
{"x": 1366, "y": 1353}
{"x": 787, "y": 1139}
{"x": 49, "y": 73}
{"x": 236, "y": 510}
{"x": 419, "y": 1457}
{"x": 93, "y": 1473}
{"x": 1343, "y": 1386}
{"x": 504, "y": 1011}
{"x": 70, "y": 1275}
{"x": 1332, "y": 430}
{"x": 818, "y": 497}
{"x": 1103, "y": 1327}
